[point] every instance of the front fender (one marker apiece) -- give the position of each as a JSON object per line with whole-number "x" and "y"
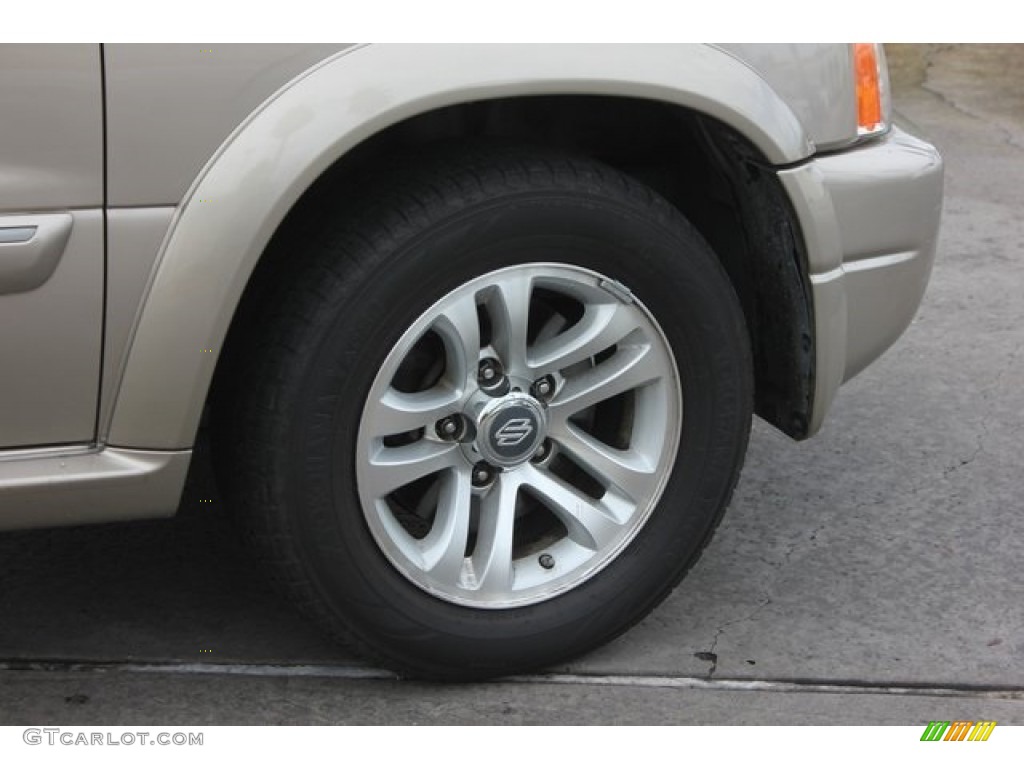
{"x": 244, "y": 192}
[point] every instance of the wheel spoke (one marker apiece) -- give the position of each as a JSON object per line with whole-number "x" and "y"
{"x": 392, "y": 468}
{"x": 630, "y": 367}
{"x": 444, "y": 548}
{"x": 601, "y": 326}
{"x": 492, "y": 556}
{"x": 587, "y": 524}
{"x": 510, "y": 316}
{"x": 399, "y": 412}
{"x": 629, "y": 471}
{"x": 459, "y": 327}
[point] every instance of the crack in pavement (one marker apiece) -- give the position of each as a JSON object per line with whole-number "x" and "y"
{"x": 710, "y": 655}
{"x": 353, "y": 672}
{"x": 1008, "y": 137}
{"x": 776, "y": 686}
{"x": 986, "y": 418}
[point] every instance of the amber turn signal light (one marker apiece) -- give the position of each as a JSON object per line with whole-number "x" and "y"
{"x": 869, "y": 88}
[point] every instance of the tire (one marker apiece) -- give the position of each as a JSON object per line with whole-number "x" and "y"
{"x": 495, "y": 415}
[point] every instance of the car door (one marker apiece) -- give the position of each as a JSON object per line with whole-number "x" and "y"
{"x": 51, "y": 243}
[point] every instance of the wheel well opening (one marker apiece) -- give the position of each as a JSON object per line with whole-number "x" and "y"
{"x": 716, "y": 179}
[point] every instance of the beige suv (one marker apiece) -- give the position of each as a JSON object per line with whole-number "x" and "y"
{"x": 476, "y": 331}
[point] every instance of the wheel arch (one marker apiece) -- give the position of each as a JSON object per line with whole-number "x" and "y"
{"x": 238, "y": 202}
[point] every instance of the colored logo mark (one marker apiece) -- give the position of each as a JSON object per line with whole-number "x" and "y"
{"x": 958, "y": 730}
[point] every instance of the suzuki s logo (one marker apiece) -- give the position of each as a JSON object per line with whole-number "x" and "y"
{"x": 513, "y": 432}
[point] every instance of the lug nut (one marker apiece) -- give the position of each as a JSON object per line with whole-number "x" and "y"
{"x": 450, "y": 427}
{"x": 546, "y": 561}
{"x": 543, "y": 451}
{"x": 492, "y": 378}
{"x": 482, "y": 474}
{"x": 543, "y": 388}
{"x": 489, "y": 371}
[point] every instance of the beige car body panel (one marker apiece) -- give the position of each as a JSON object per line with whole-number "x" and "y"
{"x": 51, "y": 243}
{"x": 50, "y": 342}
{"x": 887, "y": 201}
{"x": 169, "y": 107}
{"x": 51, "y": 127}
{"x": 134, "y": 236}
{"x": 811, "y": 78}
{"x": 68, "y": 486}
{"x": 195, "y": 197}
{"x": 870, "y": 219}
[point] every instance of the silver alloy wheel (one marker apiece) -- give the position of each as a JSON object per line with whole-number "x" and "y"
{"x": 518, "y": 435}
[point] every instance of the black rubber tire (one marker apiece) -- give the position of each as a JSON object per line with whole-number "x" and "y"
{"x": 287, "y": 435}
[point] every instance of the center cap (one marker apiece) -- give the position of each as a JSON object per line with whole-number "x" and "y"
{"x": 511, "y": 428}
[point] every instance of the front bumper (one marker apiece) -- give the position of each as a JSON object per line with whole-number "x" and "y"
{"x": 870, "y": 220}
